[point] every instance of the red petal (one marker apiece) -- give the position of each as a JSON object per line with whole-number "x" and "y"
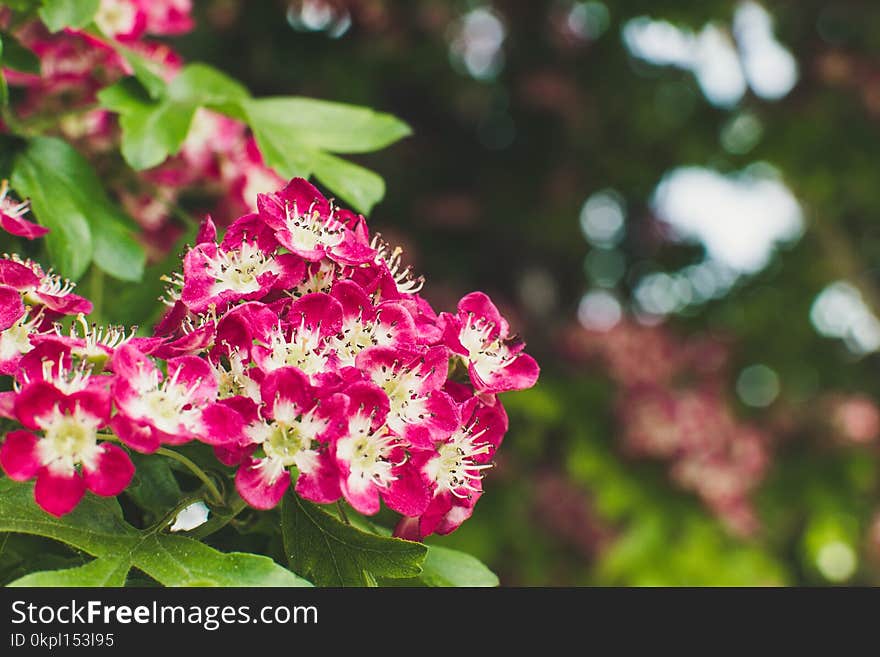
{"x": 11, "y": 307}
{"x": 58, "y": 494}
{"x": 112, "y": 472}
{"x": 251, "y": 484}
{"x": 19, "y": 457}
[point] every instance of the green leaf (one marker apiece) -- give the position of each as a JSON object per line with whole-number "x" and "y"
{"x": 331, "y": 553}
{"x": 282, "y": 152}
{"x": 180, "y": 561}
{"x": 145, "y": 71}
{"x": 58, "y": 14}
{"x": 125, "y": 96}
{"x": 149, "y": 136}
{"x": 116, "y": 251}
{"x": 359, "y": 186}
{"x": 153, "y": 129}
{"x": 328, "y": 126}
{"x": 153, "y": 487}
{"x": 445, "y": 567}
{"x": 200, "y": 84}
{"x": 21, "y": 554}
{"x": 69, "y": 241}
{"x": 296, "y": 136}
{"x": 106, "y": 571}
{"x": 17, "y": 57}
{"x": 4, "y": 90}
{"x": 96, "y": 526}
{"x": 68, "y": 198}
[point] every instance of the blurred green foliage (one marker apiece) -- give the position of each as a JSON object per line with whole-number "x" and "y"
{"x": 487, "y": 192}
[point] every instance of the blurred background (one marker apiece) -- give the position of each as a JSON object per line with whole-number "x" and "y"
{"x": 677, "y": 204}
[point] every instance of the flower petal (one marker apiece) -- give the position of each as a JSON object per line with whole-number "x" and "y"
{"x": 287, "y": 385}
{"x": 11, "y": 307}
{"x": 221, "y": 425}
{"x": 321, "y": 483}
{"x": 19, "y": 456}
{"x": 140, "y": 437}
{"x": 21, "y": 227}
{"x": 408, "y": 494}
{"x": 111, "y": 472}
{"x": 58, "y": 493}
{"x": 254, "y": 483}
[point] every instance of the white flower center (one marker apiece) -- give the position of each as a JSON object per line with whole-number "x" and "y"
{"x": 486, "y": 355}
{"x": 454, "y": 469}
{"x": 319, "y": 280}
{"x": 50, "y": 283}
{"x": 287, "y": 440}
{"x": 233, "y": 380}
{"x": 309, "y": 230}
{"x": 164, "y": 403}
{"x": 8, "y": 206}
{"x": 69, "y": 439}
{"x": 368, "y": 454}
{"x": 406, "y": 405}
{"x": 15, "y": 340}
{"x": 115, "y": 17}
{"x": 355, "y": 336}
{"x": 241, "y": 269}
{"x": 66, "y": 380}
{"x": 303, "y": 350}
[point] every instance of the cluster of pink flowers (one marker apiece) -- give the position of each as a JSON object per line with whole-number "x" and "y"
{"x": 297, "y": 346}
{"x": 671, "y": 406}
{"x": 219, "y": 159}
{"x": 75, "y": 64}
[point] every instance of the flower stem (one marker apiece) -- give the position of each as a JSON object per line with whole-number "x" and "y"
{"x": 342, "y": 513}
{"x": 196, "y": 470}
{"x": 200, "y": 474}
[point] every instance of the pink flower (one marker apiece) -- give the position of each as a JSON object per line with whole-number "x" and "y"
{"x": 454, "y": 469}
{"x": 11, "y": 216}
{"x": 121, "y": 19}
{"x": 302, "y": 340}
{"x": 15, "y": 340}
{"x": 387, "y": 324}
{"x": 306, "y": 224}
{"x": 167, "y": 17}
{"x": 64, "y": 454}
{"x": 479, "y": 334}
{"x": 155, "y": 410}
{"x": 91, "y": 343}
{"x": 372, "y": 460}
{"x": 419, "y": 410}
{"x": 245, "y": 176}
{"x": 295, "y": 425}
{"x": 219, "y": 275}
{"x": 12, "y": 308}
{"x": 297, "y": 347}
{"x": 41, "y": 288}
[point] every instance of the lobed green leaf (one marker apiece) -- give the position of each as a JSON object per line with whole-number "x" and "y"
{"x": 96, "y": 526}
{"x": 332, "y": 553}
